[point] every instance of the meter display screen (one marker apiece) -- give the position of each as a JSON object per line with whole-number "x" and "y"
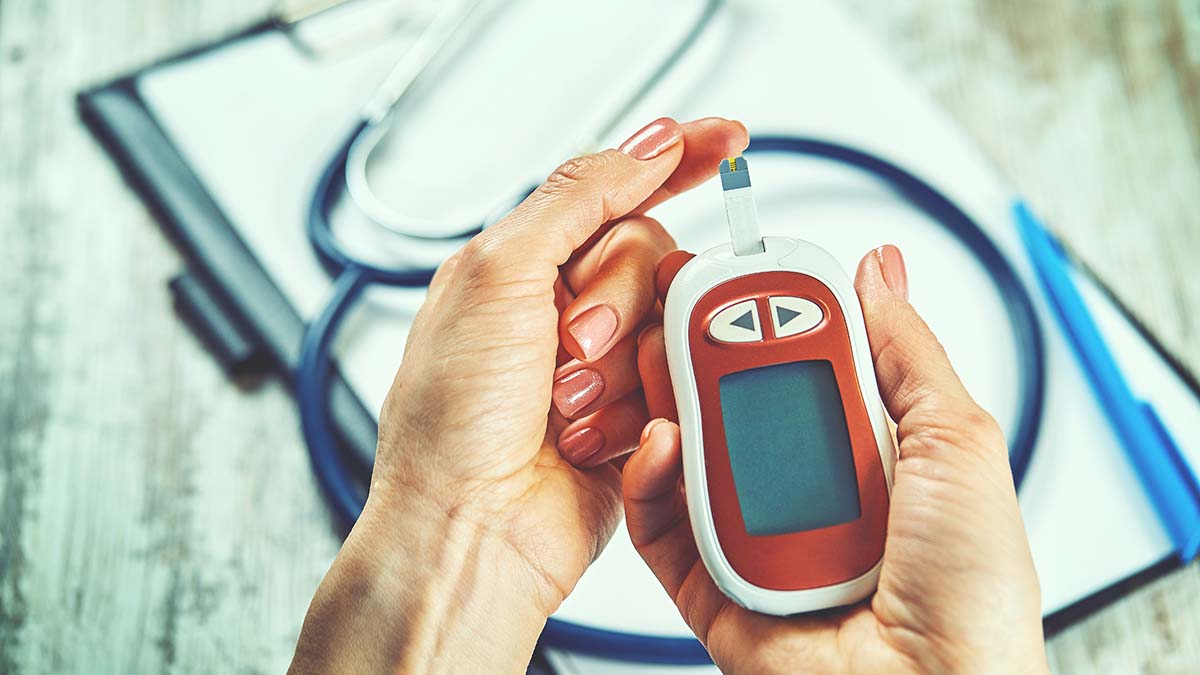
{"x": 789, "y": 448}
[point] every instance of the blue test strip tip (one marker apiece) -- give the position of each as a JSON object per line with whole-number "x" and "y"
{"x": 735, "y": 173}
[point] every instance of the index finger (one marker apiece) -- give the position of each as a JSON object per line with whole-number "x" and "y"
{"x": 705, "y": 143}
{"x": 661, "y": 160}
{"x": 576, "y": 199}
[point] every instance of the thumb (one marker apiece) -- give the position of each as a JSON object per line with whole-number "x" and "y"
{"x": 956, "y": 544}
{"x": 916, "y": 381}
{"x": 580, "y": 196}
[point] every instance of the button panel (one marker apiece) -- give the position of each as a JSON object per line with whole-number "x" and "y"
{"x": 740, "y": 321}
{"x": 737, "y": 323}
{"x": 791, "y": 315}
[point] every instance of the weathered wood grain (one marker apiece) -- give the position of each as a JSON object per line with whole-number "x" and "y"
{"x": 1093, "y": 110}
{"x": 155, "y": 518}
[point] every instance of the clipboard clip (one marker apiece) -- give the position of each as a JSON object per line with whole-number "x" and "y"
{"x": 325, "y": 29}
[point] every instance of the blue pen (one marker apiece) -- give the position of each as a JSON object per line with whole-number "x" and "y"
{"x": 1156, "y": 458}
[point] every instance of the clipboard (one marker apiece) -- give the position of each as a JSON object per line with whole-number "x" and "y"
{"x": 224, "y": 296}
{"x": 231, "y": 302}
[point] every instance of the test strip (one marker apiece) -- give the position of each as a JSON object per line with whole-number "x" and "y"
{"x": 740, "y": 209}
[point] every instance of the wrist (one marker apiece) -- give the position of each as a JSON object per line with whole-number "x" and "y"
{"x": 1026, "y": 656}
{"x": 425, "y": 592}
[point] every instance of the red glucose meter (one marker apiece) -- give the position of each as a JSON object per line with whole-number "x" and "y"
{"x": 788, "y": 457}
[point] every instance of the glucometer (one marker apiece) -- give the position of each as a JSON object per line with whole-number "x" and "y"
{"x": 788, "y": 457}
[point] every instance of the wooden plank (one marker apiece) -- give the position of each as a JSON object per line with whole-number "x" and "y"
{"x": 1092, "y": 109}
{"x": 154, "y": 518}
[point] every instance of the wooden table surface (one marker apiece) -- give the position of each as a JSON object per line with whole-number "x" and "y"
{"x": 156, "y": 518}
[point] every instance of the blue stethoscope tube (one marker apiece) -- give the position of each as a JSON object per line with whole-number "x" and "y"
{"x": 346, "y": 495}
{"x": 1022, "y": 316}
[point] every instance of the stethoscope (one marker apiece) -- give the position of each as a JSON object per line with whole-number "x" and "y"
{"x": 333, "y": 467}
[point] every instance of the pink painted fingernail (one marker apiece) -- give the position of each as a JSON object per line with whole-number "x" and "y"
{"x": 594, "y": 329}
{"x": 653, "y": 139}
{"x": 891, "y": 264}
{"x": 579, "y": 446}
{"x": 576, "y": 391}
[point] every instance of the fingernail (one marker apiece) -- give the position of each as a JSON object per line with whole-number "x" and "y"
{"x": 891, "y": 264}
{"x": 649, "y": 429}
{"x": 646, "y": 332}
{"x": 653, "y": 139}
{"x": 593, "y": 329}
{"x": 578, "y": 446}
{"x": 576, "y": 391}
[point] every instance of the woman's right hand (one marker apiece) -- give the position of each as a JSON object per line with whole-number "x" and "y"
{"x": 957, "y": 590}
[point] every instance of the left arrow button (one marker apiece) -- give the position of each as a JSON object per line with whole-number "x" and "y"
{"x": 736, "y": 323}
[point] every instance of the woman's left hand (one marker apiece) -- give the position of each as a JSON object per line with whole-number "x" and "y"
{"x": 523, "y": 357}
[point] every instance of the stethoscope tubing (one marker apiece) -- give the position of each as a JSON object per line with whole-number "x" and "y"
{"x": 347, "y": 497}
{"x": 1022, "y": 314}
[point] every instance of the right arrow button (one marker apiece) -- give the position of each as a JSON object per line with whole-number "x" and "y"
{"x": 792, "y": 316}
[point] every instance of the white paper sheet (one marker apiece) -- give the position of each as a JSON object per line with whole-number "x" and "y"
{"x": 257, "y": 120}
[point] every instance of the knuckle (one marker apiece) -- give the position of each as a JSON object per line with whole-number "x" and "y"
{"x": 646, "y": 238}
{"x": 986, "y": 429}
{"x": 633, "y": 260}
{"x": 446, "y": 269}
{"x": 482, "y": 257}
{"x": 651, "y": 229}
{"x": 943, "y": 429}
{"x": 647, "y": 229}
{"x": 662, "y": 239}
{"x": 573, "y": 171}
{"x": 577, "y": 180}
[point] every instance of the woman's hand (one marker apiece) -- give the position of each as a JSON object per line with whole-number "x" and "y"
{"x": 476, "y": 527}
{"x": 957, "y": 591}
